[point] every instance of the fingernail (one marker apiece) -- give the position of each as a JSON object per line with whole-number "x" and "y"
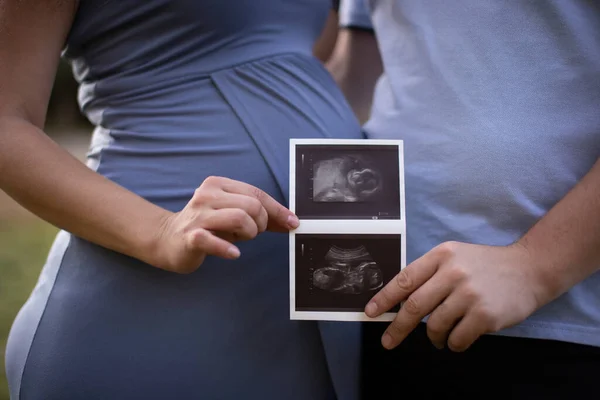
{"x": 371, "y": 309}
{"x": 293, "y": 222}
{"x": 387, "y": 340}
{"x": 438, "y": 346}
{"x": 233, "y": 252}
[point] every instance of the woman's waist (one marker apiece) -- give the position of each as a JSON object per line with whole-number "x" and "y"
{"x": 291, "y": 91}
{"x": 171, "y": 84}
{"x": 214, "y": 125}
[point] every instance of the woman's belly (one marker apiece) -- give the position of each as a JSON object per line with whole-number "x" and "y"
{"x": 235, "y": 123}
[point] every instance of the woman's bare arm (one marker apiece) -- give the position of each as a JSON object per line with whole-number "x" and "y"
{"x": 34, "y": 170}
{"x": 48, "y": 181}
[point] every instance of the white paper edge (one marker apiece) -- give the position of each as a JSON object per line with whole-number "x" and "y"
{"x": 292, "y": 236}
{"x": 344, "y": 316}
{"x": 342, "y": 227}
{"x": 361, "y": 142}
{"x": 402, "y": 204}
{"x": 348, "y": 227}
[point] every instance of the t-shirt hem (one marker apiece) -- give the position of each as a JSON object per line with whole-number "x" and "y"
{"x": 589, "y": 336}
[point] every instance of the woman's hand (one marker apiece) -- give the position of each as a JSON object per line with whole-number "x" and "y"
{"x": 221, "y": 212}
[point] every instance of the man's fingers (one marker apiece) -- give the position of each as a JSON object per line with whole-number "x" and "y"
{"x": 281, "y": 219}
{"x": 418, "y": 305}
{"x": 445, "y": 317}
{"x": 468, "y": 330}
{"x": 402, "y": 285}
{"x": 232, "y": 221}
{"x": 204, "y": 242}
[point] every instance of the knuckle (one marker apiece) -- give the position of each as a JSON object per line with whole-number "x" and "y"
{"x": 196, "y": 238}
{"x": 198, "y": 194}
{"x": 447, "y": 249}
{"x": 470, "y": 294}
{"x": 412, "y": 306}
{"x": 404, "y": 281}
{"x": 435, "y": 329}
{"x": 212, "y": 181}
{"x": 457, "y": 273}
{"x": 238, "y": 218}
{"x": 203, "y": 196}
{"x": 258, "y": 193}
{"x": 254, "y": 207}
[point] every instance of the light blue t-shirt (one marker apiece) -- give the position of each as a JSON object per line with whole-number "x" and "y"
{"x": 498, "y": 103}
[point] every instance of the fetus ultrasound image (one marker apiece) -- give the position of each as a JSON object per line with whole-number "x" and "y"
{"x": 347, "y": 182}
{"x": 342, "y": 272}
{"x": 345, "y": 179}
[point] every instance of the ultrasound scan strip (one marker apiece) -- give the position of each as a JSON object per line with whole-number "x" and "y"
{"x": 349, "y": 196}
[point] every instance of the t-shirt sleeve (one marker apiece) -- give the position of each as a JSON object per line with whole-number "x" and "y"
{"x": 354, "y": 14}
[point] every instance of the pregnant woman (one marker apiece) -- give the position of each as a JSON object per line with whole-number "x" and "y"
{"x": 151, "y": 290}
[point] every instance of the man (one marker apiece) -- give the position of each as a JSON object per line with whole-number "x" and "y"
{"x": 498, "y": 104}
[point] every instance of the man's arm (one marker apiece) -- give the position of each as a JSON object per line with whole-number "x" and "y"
{"x": 469, "y": 290}
{"x": 356, "y": 63}
{"x": 564, "y": 246}
{"x": 323, "y": 48}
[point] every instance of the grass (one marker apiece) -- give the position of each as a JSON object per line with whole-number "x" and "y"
{"x": 24, "y": 245}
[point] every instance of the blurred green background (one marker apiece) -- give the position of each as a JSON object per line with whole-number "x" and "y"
{"x": 24, "y": 238}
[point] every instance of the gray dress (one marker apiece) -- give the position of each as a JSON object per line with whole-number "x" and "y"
{"x": 180, "y": 90}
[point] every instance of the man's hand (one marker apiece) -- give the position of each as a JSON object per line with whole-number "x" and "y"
{"x": 467, "y": 290}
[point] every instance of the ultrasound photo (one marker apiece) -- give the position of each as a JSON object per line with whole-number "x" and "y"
{"x": 345, "y": 179}
{"x": 348, "y": 270}
{"x": 347, "y": 182}
{"x": 342, "y": 272}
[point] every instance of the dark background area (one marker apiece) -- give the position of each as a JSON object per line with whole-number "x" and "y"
{"x": 386, "y": 205}
{"x": 64, "y": 116}
{"x": 384, "y": 249}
